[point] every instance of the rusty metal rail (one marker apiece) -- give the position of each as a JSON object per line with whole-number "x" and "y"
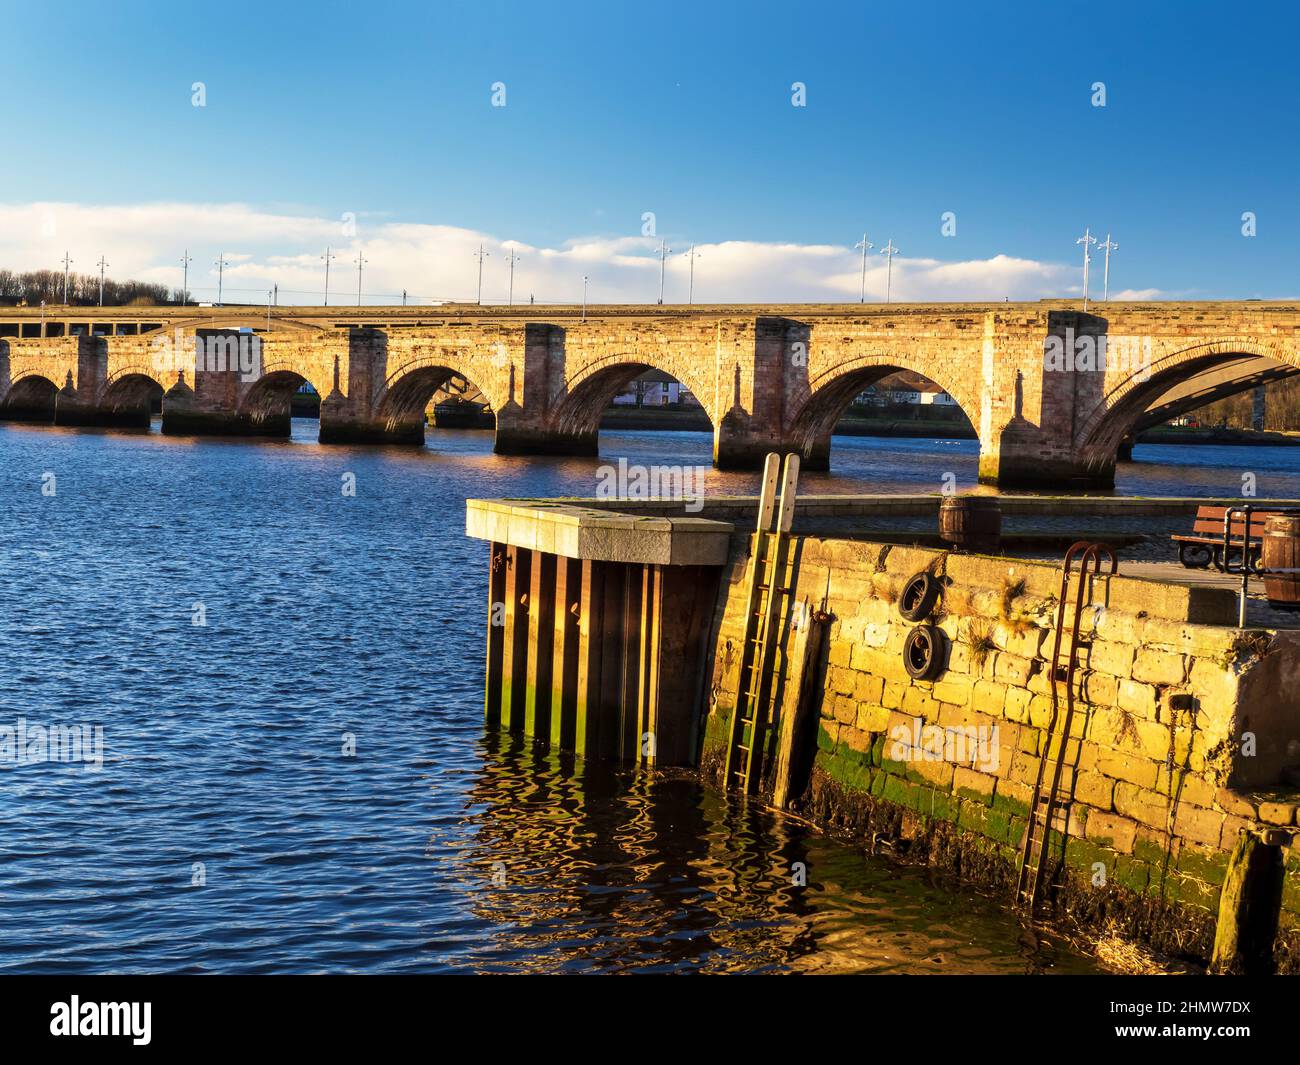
{"x": 1044, "y": 806}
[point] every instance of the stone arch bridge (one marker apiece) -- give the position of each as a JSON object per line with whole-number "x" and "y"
{"x": 1053, "y": 393}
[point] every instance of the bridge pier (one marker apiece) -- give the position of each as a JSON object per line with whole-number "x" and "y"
{"x": 1030, "y": 474}
{"x": 1039, "y": 467}
{"x": 70, "y": 411}
{"x": 339, "y": 424}
{"x": 190, "y": 412}
{"x": 742, "y": 441}
{"x": 817, "y": 455}
{"x": 1035, "y": 465}
{"x": 513, "y": 438}
{"x": 747, "y": 455}
{"x": 34, "y": 409}
{"x": 734, "y": 452}
{"x": 178, "y": 420}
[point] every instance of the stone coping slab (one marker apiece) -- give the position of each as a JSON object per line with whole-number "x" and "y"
{"x": 837, "y": 505}
{"x": 573, "y": 530}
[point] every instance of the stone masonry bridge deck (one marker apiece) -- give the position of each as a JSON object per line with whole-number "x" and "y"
{"x": 1051, "y": 391}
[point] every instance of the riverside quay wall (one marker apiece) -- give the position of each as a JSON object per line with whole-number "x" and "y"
{"x": 1184, "y": 730}
{"x": 617, "y": 628}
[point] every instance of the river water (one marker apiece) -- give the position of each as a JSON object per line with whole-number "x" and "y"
{"x": 295, "y": 776}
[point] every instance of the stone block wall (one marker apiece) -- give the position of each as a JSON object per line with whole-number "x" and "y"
{"x": 1182, "y": 732}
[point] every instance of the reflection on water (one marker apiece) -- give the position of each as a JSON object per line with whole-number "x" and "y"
{"x": 330, "y": 616}
{"x": 597, "y": 870}
{"x": 884, "y": 465}
{"x": 878, "y": 464}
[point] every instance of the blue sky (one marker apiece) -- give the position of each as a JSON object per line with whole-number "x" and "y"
{"x": 683, "y": 109}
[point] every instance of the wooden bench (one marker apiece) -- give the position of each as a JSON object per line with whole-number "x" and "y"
{"x": 1209, "y": 543}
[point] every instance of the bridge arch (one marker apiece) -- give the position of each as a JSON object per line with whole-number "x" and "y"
{"x": 409, "y": 389}
{"x": 135, "y": 370}
{"x": 833, "y": 389}
{"x": 132, "y": 391}
{"x": 592, "y": 389}
{"x": 266, "y": 402}
{"x": 29, "y": 398}
{"x": 1122, "y": 406}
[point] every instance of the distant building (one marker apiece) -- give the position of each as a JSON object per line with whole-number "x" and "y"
{"x": 921, "y": 396}
{"x": 654, "y": 388}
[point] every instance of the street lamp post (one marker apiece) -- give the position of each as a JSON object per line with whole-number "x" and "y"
{"x": 1087, "y": 240}
{"x": 663, "y": 259}
{"x": 1108, "y": 246}
{"x": 888, "y": 252}
{"x": 584, "y": 297}
{"x": 326, "y": 260}
{"x": 866, "y": 246}
{"x": 690, "y": 287}
{"x": 510, "y": 295}
{"x": 481, "y": 256}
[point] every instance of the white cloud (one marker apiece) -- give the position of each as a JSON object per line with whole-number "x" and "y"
{"x": 438, "y": 262}
{"x": 1139, "y": 294}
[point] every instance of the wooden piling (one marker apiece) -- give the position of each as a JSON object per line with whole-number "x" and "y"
{"x": 496, "y": 634}
{"x": 541, "y": 661}
{"x": 1249, "y": 906}
{"x": 587, "y": 686}
{"x": 650, "y": 638}
{"x": 564, "y": 648}
{"x": 612, "y": 641}
{"x": 797, "y": 723}
{"x": 514, "y": 664}
{"x": 684, "y": 600}
{"x": 633, "y": 662}
{"x": 596, "y": 655}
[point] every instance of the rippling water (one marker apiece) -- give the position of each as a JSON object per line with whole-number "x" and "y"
{"x": 227, "y": 831}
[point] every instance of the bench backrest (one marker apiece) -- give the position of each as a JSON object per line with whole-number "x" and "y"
{"x": 1209, "y": 522}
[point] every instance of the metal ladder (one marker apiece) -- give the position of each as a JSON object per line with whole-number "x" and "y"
{"x": 769, "y": 585}
{"x": 1044, "y": 806}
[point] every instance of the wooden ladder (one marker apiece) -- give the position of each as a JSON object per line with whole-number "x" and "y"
{"x": 1046, "y": 806}
{"x": 769, "y": 585}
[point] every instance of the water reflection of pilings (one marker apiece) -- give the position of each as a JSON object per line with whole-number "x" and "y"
{"x": 580, "y": 865}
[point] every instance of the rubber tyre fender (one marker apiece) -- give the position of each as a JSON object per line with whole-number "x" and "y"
{"x": 923, "y": 653}
{"x": 1195, "y": 556}
{"x": 920, "y": 596}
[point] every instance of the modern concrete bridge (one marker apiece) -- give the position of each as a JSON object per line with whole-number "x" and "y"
{"x": 1051, "y": 391}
